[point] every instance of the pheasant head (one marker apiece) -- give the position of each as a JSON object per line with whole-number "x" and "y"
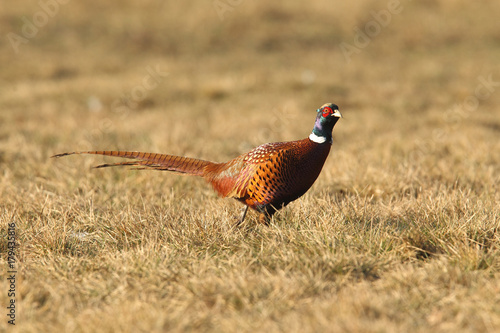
{"x": 326, "y": 118}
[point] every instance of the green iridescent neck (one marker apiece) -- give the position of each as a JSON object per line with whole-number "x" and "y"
{"x": 322, "y": 131}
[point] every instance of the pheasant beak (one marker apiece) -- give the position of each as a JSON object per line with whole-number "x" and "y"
{"x": 336, "y": 113}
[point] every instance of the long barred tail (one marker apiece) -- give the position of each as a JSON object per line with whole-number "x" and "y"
{"x": 190, "y": 166}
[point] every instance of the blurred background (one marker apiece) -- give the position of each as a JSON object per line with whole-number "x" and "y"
{"x": 417, "y": 81}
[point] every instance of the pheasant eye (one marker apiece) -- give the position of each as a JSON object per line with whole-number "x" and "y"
{"x": 327, "y": 111}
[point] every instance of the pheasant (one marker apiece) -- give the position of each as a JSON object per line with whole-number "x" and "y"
{"x": 265, "y": 179}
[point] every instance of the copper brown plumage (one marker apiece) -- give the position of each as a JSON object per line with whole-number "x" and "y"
{"x": 265, "y": 179}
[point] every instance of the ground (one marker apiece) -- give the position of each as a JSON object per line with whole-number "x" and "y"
{"x": 400, "y": 233}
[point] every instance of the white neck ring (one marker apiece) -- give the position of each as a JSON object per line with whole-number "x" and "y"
{"x": 318, "y": 139}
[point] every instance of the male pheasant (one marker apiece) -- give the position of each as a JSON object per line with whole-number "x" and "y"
{"x": 265, "y": 179}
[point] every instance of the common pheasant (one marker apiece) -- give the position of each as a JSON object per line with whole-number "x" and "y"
{"x": 265, "y": 179}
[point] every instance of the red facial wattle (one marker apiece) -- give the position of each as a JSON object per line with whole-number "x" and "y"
{"x": 327, "y": 111}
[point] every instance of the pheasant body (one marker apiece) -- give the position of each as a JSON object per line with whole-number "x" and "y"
{"x": 265, "y": 179}
{"x": 270, "y": 176}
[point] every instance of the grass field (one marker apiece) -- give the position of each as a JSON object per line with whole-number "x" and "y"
{"x": 399, "y": 234}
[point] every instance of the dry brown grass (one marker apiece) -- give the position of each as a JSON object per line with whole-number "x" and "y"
{"x": 399, "y": 234}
